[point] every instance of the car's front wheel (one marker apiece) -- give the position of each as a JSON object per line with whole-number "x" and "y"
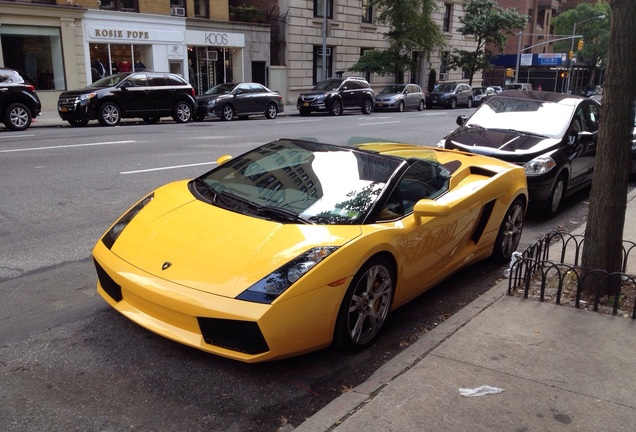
{"x": 400, "y": 107}
{"x": 182, "y": 112}
{"x": 556, "y": 197}
{"x": 272, "y": 111}
{"x": 365, "y": 305}
{"x": 17, "y": 117}
{"x": 109, "y": 114}
{"x": 510, "y": 231}
{"x": 336, "y": 108}
{"x": 469, "y": 104}
{"x": 367, "y": 107}
{"x": 228, "y": 113}
{"x": 453, "y": 103}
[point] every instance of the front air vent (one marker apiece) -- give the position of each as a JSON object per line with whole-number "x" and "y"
{"x": 107, "y": 283}
{"x": 241, "y": 336}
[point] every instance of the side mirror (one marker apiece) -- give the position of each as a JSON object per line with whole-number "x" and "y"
{"x": 461, "y": 120}
{"x": 429, "y": 208}
{"x": 222, "y": 159}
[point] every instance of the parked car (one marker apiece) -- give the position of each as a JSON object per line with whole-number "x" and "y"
{"x": 481, "y": 94}
{"x": 337, "y": 94}
{"x": 146, "y": 95}
{"x": 19, "y": 103}
{"x": 296, "y": 244}
{"x": 552, "y": 135}
{"x": 238, "y": 99}
{"x": 519, "y": 86}
{"x": 450, "y": 95}
{"x": 592, "y": 91}
{"x": 398, "y": 97}
{"x": 497, "y": 89}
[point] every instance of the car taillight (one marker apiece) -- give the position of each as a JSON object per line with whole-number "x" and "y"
{"x": 193, "y": 93}
{"x": 30, "y": 87}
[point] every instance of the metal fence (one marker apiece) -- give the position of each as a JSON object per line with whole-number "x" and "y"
{"x": 556, "y": 257}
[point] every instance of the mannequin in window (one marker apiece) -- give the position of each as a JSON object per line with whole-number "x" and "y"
{"x": 124, "y": 66}
{"x": 99, "y": 67}
{"x": 113, "y": 67}
{"x": 139, "y": 66}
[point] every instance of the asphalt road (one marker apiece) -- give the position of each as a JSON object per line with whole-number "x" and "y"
{"x": 69, "y": 362}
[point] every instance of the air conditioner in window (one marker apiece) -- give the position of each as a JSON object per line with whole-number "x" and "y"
{"x": 442, "y": 77}
{"x": 177, "y": 11}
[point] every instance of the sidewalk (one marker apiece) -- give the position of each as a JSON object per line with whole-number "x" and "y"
{"x": 561, "y": 369}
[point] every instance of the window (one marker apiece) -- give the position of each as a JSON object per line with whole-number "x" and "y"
{"x": 318, "y": 8}
{"x": 201, "y": 9}
{"x": 37, "y": 51}
{"x": 443, "y": 66}
{"x": 448, "y": 16}
{"x": 318, "y": 69}
{"x": 367, "y": 13}
{"x": 120, "y": 5}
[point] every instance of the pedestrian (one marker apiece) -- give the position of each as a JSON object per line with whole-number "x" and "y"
{"x": 99, "y": 67}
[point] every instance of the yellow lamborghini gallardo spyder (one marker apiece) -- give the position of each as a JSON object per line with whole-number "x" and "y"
{"x": 296, "y": 245}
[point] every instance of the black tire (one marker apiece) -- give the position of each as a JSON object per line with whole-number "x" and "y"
{"x": 182, "y": 112}
{"x": 227, "y": 113}
{"x": 152, "y": 119}
{"x": 556, "y": 197}
{"x": 78, "y": 123}
{"x": 304, "y": 112}
{"x": 421, "y": 106}
{"x": 365, "y": 305}
{"x": 198, "y": 117}
{"x": 469, "y": 104}
{"x": 272, "y": 111}
{"x": 336, "y": 108}
{"x": 400, "y": 107}
{"x": 367, "y": 106}
{"x": 109, "y": 114}
{"x": 453, "y": 103}
{"x": 17, "y": 117}
{"x": 510, "y": 231}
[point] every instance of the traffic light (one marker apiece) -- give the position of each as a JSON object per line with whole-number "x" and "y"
{"x": 580, "y": 45}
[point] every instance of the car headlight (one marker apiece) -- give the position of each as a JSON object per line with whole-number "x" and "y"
{"x": 320, "y": 97}
{"x": 539, "y": 165}
{"x": 86, "y": 96}
{"x": 274, "y": 284}
{"x": 212, "y": 102}
{"x": 112, "y": 234}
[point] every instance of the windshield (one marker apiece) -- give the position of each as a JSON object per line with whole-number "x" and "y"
{"x": 479, "y": 90}
{"x": 221, "y": 89}
{"x": 445, "y": 88}
{"x": 392, "y": 89}
{"x": 332, "y": 84}
{"x": 549, "y": 119}
{"x": 110, "y": 80}
{"x": 300, "y": 182}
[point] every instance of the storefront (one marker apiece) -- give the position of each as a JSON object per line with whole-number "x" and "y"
{"x": 122, "y": 42}
{"x": 42, "y": 46}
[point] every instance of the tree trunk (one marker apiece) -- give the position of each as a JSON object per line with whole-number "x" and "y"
{"x": 608, "y": 199}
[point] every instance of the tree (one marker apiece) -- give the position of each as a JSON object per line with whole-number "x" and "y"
{"x": 490, "y": 24}
{"x": 595, "y": 33}
{"x": 602, "y": 248}
{"x": 411, "y": 28}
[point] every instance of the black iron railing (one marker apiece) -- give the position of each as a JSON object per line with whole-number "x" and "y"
{"x": 555, "y": 258}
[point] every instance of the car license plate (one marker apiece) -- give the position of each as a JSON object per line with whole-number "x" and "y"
{"x": 306, "y": 104}
{"x": 63, "y": 109}
{"x": 380, "y": 104}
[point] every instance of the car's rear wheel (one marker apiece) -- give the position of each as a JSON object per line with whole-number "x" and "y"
{"x": 182, "y": 112}
{"x": 17, "y": 117}
{"x": 556, "y": 197}
{"x": 400, "y": 107}
{"x": 367, "y": 106}
{"x": 421, "y": 106}
{"x": 336, "y": 108}
{"x": 272, "y": 111}
{"x": 109, "y": 114}
{"x": 365, "y": 305}
{"x": 78, "y": 123}
{"x": 228, "y": 113}
{"x": 510, "y": 231}
{"x": 152, "y": 119}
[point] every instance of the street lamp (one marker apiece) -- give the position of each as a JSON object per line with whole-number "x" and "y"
{"x": 572, "y": 48}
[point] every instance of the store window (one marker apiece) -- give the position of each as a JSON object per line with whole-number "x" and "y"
{"x": 107, "y": 59}
{"x": 120, "y": 5}
{"x": 318, "y": 8}
{"x": 208, "y": 67}
{"x": 318, "y": 69}
{"x": 36, "y": 51}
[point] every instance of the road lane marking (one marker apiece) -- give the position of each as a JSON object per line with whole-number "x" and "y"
{"x": 66, "y": 146}
{"x": 18, "y": 136}
{"x": 298, "y": 121}
{"x": 166, "y": 168}
{"x": 378, "y": 123}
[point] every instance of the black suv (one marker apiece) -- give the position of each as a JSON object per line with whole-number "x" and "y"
{"x": 337, "y": 94}
{"x": 19, "y": 103}
{"x": 147, "y": 95}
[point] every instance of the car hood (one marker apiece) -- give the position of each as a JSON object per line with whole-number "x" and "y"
{"x": 509, "y": 145}
{"x": 315, "y": 93}
{"x": 212, "y": 249}
{"x": 440, "y": 93}
{"x": 386, "y": 96}
{"x": 207, "y": 98}
{"x": 85, "y": 90}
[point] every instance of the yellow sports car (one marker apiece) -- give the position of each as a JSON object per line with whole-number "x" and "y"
{"x": 296, "y": 245}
